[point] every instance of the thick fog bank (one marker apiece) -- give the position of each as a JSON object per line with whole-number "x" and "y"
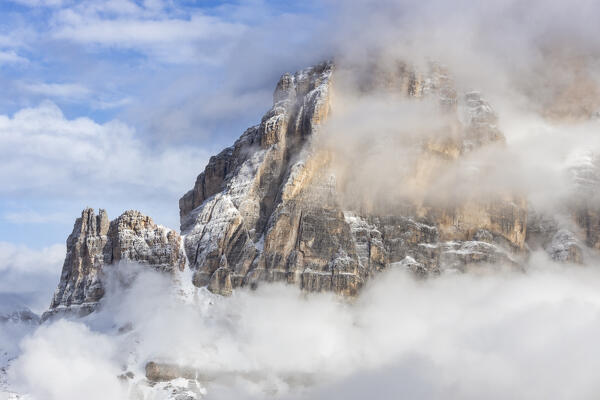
{"x": 489, "y": 334}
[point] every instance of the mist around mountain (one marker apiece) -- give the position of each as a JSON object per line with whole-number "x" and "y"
{"x": 415, "y": 216}
{"x": 425, "y": 339}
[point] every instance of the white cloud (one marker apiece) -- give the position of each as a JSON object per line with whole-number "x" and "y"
{"x": 459, "y": 336}
{"x": 74, "y": 163}
{"x": 32, "y": 274}
{"x": 42, "y": 150}
{"x": 11, "y": 57}
{"x": 197, "y": 37}
{"x": 65, "y": 361}
{"x": 76, "y": 93}
{"x": 24, "y": 259}
{"x": 166, "y": 31}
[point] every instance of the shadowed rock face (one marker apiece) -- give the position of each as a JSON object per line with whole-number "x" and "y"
{"x": 88, "y": 250}
{"x": 95, "y": 243}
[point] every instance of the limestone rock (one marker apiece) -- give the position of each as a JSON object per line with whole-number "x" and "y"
{"x": 462, "y": 256}
{"x": 220, "y": 281}
{"x": 268, "y": 208}
{"x": 565, "y": 247}
{"x": 88, "y": 250}
{"x": 159, "y": 372}
{"x": 135, "y": 237}
{"x": 230, "y": 225}
{"x": 95, "y": 243}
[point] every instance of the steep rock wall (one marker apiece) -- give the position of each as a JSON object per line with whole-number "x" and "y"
{"x": 268, "y": 208}
{"x": 97, "y": 242}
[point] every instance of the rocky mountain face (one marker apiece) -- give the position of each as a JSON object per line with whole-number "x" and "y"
{"x": 97, "y": 242}
{"x": 267, "y": 209}
{"x": 271, "y": 207}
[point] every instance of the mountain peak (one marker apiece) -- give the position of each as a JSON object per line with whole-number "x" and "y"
{"x": 282, "y": 205}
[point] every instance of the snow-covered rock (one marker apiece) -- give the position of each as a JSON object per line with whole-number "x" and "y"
{"x": 267, "y": 208}
{"x": 95, "y": 243}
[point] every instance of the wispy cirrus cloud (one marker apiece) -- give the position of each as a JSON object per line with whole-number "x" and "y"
{"x": 30, "y": 216}
{"x": 75, "y": 93}
{"x": 171, "y": 32}
{"x": 41, "y": 3}
{"x": 62, "y": 90}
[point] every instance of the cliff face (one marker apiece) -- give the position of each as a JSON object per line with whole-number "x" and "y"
{"x": 269, "y": 208}
{"x": 283, "y": 205}
{"x": 248, "y": 223}
{"x": 97, "y": 242}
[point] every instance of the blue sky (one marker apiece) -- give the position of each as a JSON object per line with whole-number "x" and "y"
{"x": 118, "y": 104}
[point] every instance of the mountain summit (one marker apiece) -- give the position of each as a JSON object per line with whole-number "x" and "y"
{"x": 298, "y": 200}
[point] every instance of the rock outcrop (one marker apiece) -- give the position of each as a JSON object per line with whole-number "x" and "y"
{"x": 97, "y": 242}
{"x": 269, "y": 209}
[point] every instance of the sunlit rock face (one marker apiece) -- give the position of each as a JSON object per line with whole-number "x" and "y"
{"x": 97, "y": 242}
{"x": 276, "y": 205}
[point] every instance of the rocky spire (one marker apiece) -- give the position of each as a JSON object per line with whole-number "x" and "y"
{"x": 95, "y": 243}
